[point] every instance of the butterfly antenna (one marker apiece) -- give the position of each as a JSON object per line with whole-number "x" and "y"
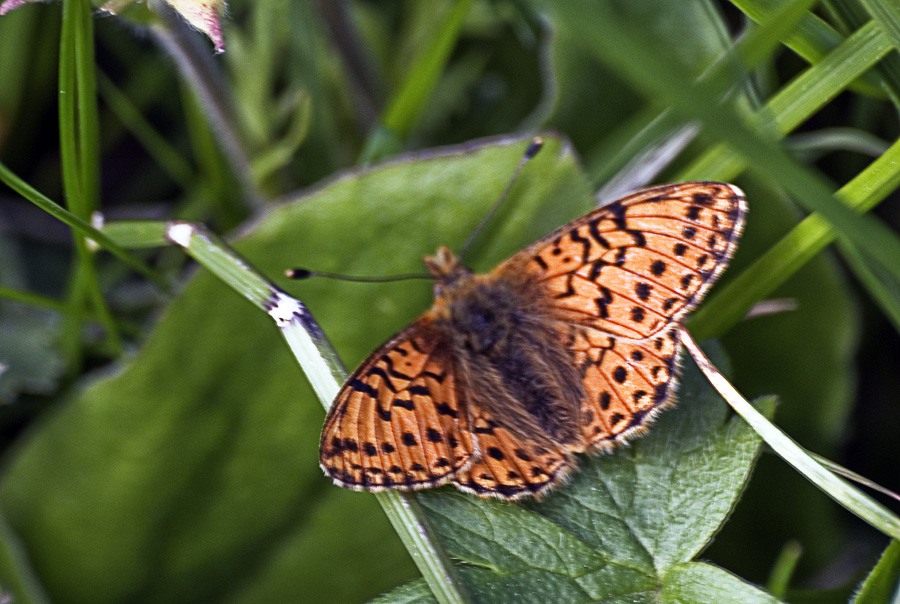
{"x": 536, "y": 144}
{"x": 303, "y": 273}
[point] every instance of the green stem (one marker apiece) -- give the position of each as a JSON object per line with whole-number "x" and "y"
{"x": 80, "y": 161}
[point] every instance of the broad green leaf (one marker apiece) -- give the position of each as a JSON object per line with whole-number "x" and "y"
{"x": 701, "y": 582}
{"x": 190, "y": 473}
{"x": 624, "y": 529}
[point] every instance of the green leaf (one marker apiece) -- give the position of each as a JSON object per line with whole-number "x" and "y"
{"x": 882, "y": 586}
{"x": 701, "y": 582}
{"x": 883, "y": 287}
{"x": 625, "y": 528}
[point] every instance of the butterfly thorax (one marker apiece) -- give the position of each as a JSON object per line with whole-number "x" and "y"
{"x": 446, "y": 269}
{"x": 506, "y": 352}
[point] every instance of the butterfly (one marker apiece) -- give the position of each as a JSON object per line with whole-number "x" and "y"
{"x": 569, "y": 346}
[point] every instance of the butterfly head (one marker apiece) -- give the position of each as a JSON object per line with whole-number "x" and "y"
{"x": 446, "y": 269}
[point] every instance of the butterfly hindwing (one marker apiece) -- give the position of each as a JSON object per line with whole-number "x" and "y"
{"x": 626, "y": 383}
{"x": 396, "y": 421}
{"x": 507, "y": 467}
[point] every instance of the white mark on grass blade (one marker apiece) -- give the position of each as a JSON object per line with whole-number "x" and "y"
{"x": 771, "y": 307}
{"x": 180, "y": 233}
{"x": 284, "y": 309}
{"x": 97, "y": 221}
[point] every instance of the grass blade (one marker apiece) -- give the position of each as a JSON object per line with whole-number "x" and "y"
{"x": 406, "y": 105}
{"x": 838, "y": 489}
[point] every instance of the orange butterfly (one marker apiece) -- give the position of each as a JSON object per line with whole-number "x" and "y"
{"x": 569, "y": 346}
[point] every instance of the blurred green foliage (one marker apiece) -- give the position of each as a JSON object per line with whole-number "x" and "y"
{"x": 182, "y": 467}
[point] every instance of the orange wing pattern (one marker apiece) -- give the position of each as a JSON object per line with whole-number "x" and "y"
{"x": 507, "y": 467}
{"x": 626, "y": 383}
{"x": 396, "y": 422}
{"x": 621, "y": 277}
{"x": 636, "y": 265}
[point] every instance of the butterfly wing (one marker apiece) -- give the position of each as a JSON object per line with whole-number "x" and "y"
{"x": 626, "y": 382}
{"x": 396, "y": 423}
{"x": 507, "y": 467}
{"x": 619, "y": 279}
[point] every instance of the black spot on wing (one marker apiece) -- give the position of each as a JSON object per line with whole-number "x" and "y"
{"x": 642, "y": 290}
{"x": 404, "y": 404}
{"x": 703, "y": 199}
{"x": 585, "y": 244}
{"x": 360, "y": 386}
{"x": 445, "y": 409}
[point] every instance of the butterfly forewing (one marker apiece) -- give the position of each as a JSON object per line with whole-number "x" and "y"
{"x": 396, "y": 422}
{"x": 633, "y": 266}
{"x": 620, "y": 278}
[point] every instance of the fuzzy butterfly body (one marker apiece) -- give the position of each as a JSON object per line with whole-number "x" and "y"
{"x": 569, "y": 346}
